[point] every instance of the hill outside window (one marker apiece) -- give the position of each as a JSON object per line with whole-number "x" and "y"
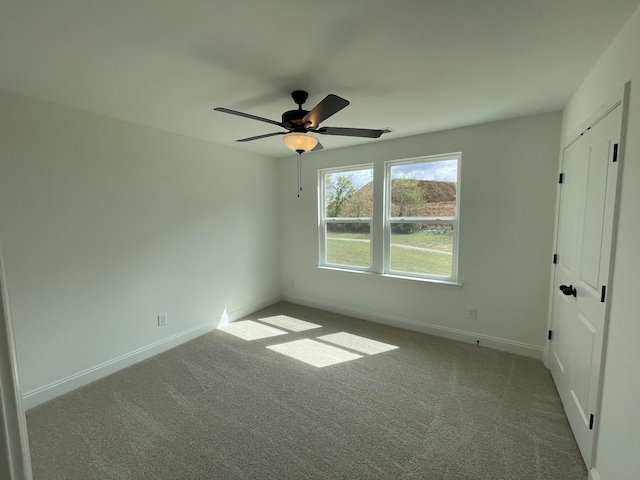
{"x": 416, "y": 231}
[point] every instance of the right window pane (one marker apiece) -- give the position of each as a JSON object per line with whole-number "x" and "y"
{"x": 422, "y": 214}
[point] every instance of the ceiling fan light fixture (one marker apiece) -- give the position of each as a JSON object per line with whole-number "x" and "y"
{"x": 300, "y": 142}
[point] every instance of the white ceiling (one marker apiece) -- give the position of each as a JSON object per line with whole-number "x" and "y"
{"x": 413, "y": 65}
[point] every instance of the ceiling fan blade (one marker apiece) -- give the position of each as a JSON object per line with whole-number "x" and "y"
{"x": 266, "y": 135}
{"x": 351, "y": 132}
{"x": 327, "y": 107}
{"x": 317, "y": 147}
{"x": 247, "y": 115}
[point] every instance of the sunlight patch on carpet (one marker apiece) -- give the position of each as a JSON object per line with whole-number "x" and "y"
{"x": 357, "y": 343}
{"x": 314, "y": 353}
{"x": 290, "y": 323}
{"x": 250, "y": 330}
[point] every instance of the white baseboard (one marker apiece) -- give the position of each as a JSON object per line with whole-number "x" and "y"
{"x": 593, "y": 474}
{"x": 77, "y": 380}
{"x": 496, "y": 343}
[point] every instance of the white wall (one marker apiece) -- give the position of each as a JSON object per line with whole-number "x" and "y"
{"x": 106, "y": 224}
{"x": 508, "y": 188}
{"x": 618, "y": 438}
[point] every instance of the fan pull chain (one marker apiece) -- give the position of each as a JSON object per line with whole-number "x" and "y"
{"x": 299, "y": 173}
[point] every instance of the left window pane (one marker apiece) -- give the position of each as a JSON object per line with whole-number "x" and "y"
{"x": 348, "y": 194}
{"x": 346, "y": 213}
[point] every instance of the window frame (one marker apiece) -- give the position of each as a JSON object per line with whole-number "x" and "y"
{"x": 323, "y": 220}
{"x": 381, "y": 220}
{"x": 388, "y": 220}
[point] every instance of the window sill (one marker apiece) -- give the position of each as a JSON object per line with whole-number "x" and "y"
{"x": 446, "y": 283}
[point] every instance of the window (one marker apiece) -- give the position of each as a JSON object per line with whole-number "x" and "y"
{"x": 416, "y": 231}
{"x": 421, "y": 216}
{"x": 346, "y": 212}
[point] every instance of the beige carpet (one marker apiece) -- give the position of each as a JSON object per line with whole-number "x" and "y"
{"x": 274, "y": 398}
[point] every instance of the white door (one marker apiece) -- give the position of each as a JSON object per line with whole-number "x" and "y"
{"x": 583, "y": 249}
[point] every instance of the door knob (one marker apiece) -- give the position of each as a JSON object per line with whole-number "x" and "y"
{"x": 568, "y": 290}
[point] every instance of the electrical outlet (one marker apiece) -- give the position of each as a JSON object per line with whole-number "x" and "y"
{"x": 472, "y": 313}
{"x": 162, "y": 319}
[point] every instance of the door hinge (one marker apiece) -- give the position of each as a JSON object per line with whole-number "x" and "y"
{"x": 603, "y": 294}
{"x": 555, "y": 258}
{"x": 591, "y": 419}
{"x": 561, "y": 178}
{"x": 550, "y": 335}
{"x": 615, "y": 152}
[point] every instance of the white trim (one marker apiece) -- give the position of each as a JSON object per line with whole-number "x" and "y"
{"x": 496, "y": 343}
{"x": 13, "y": 424}
{"x": 605, "y": 109}
{"x": 593, "y": 474}
{"x": 84, "y": 377}
{"x": 545, "y": 355}
{"x": 612, "y": 257}
{"x": 433, "y": 281}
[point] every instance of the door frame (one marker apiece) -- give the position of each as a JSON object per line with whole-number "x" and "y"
{"x": 13, "y": 423}
{"x": 621, "y": 99}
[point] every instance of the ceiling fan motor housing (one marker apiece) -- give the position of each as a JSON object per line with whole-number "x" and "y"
{"x": 292, "y": 120}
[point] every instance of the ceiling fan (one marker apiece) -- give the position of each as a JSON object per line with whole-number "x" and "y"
{"x": 302, "y": 124}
